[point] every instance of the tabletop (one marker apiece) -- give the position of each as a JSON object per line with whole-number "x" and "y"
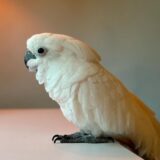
{"x": 25, "y": 134}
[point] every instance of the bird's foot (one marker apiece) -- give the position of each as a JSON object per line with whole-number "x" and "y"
{"x": 80, "y": 137}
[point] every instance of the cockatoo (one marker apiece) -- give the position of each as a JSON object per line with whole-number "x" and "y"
{"x": 90, "y": 96}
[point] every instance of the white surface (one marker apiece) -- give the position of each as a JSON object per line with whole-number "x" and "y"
{"x": 26, "y": 135}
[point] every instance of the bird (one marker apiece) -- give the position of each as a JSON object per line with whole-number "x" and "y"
{"x": 90, "y": 96}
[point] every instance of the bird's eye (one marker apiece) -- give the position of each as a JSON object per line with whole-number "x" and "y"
{"x": 42, "y": 51}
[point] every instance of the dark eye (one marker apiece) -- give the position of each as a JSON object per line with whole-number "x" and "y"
{"x": 42, "y": 51}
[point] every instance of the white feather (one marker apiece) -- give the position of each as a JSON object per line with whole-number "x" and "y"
{"x": 91, "y": 97}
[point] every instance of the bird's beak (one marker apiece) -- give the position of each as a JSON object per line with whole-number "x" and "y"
{"x": 28, "y": 55}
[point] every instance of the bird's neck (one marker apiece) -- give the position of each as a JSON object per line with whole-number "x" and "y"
{"x": 64, "y": 73}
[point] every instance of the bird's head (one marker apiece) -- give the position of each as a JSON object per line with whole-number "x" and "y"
{"x": 40, "y": 48}
{"x": 47, "y": 47}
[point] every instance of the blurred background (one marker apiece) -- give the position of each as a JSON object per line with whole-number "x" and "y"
{"x": 126, "y": 33}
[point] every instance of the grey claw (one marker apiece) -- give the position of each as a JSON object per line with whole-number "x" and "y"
{"x": 81, "y": 138}
{"x": 56, "y": 137}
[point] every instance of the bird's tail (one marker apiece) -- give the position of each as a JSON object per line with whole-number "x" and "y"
{"x": 127, "y": 143}
{"x": 148, "y": 144}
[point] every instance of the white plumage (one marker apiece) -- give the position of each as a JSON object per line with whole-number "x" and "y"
{"x": 90, "y": 96}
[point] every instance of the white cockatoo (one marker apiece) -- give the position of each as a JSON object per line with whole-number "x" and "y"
{"x": 91, "y": 97}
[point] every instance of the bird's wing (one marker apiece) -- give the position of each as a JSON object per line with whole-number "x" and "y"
{"x": 105, "y": 100}
{"x": 101, "y": 98}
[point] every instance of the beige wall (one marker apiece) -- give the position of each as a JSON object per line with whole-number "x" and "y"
{"x": 125, "y": 32}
